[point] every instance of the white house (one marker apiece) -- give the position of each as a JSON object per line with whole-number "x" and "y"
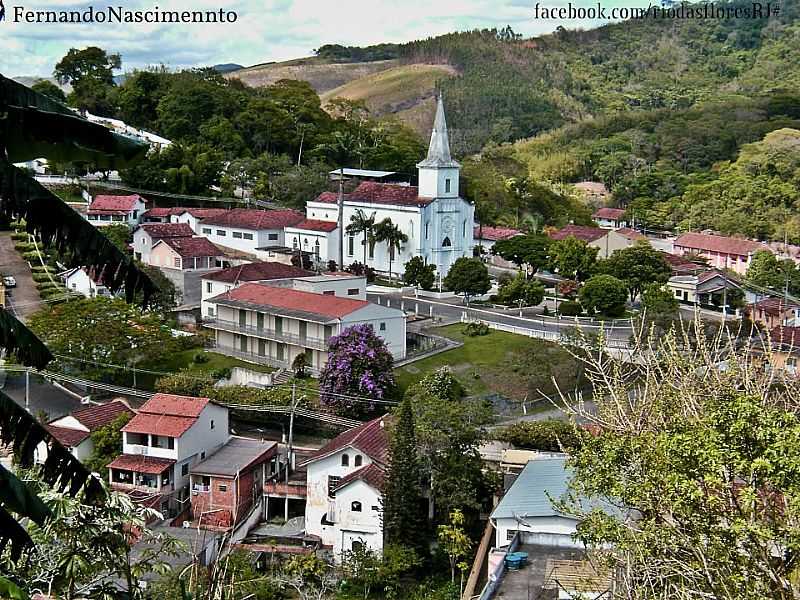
{"x": 78, "y": 280}
{"x": 107, "y": 210}
{"x": 344, "y": 489}
{"x": 147, "y": 234}
{"x": 436, "y": 220}
{"x": 74, "y": 431}
{"x": 487, "y": 236}
{"x": 317, "y": 237}
{"x": 246, "y": 229}
{"x": 168, "y": 435}
{"x": 610, "y": 218}
{"x": 271, "y": 325}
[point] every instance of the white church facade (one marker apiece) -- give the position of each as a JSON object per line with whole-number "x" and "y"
{"x": 436, "y": 220}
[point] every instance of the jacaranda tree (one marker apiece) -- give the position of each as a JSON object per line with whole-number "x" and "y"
{"x": 359, "y": 366}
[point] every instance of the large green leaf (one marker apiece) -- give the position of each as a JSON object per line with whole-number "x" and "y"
{"x": 8, "y": 589}
{"x": 17, "y": 338}
{"x": 19, "y": 498}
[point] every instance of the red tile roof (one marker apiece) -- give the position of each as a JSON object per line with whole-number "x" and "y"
{"x": 150, "y": 465}
{"x": 164, "y": 211}
{"x": 67, "y": 437}
{"x": 94, "y": 417}
{"x": 167, "y": 230}
{"x": 295, "y": 300}
{"x": 776, "y": 306}
{"x": 609, "y": 213}
{"x": 587, "y": 234}
{"x": 167, "y": 414}
{"x": 247, "y": 218}
{"x": 316, "y": 225}
{"x": 785, "y": 336}
{"x": 192, "y": 247}
{"x": 114, "y": 204}
{"x": 177, "y": 406}
{"x": 495, "y": 233}
{"x": 372, "y": 192}
{"x": 165, "y": 425}
{"x": 169, "y": 211}
{"x": 631, "y": 234}
{"x": 372, "y": 474}
{"x": 718, "y": 243}
{"x": 371, "y": 438}
{"x": 258, "y": 271}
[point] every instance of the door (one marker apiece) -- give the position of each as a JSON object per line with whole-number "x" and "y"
{"x": 303, "y": 330}
{"x": 259, "y": 321}
{"x": 262, "y": 348}
{"x": 242, "y": 318}
{"x": 279, "y": 325}
{"x": 243, "y": 343}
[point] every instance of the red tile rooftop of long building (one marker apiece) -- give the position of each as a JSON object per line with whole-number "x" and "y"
{"x": 295, "y": 300}
{"x": 316, "y": 225}
{"x": 114, "y": 204}
{"x": 495, "y": 233}
{"x": 192, "y": 247}
{"x": 587, "y": 234}
{"x": 150, "y": 465}
{"x": 258, "y": 271}
{"x": 371, "y": 192}
{"x": 247, "y": 218}
{"x": 94, "y": 417}
{"x": 167, "y": 230}
{"x": 718, "y": 243}
{"x": 169, "y": 211}
{"x": 370, "y": 438}
{"x": 608, "y": 213}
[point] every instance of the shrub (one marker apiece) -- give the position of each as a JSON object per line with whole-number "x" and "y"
{"x": 19, "y": 236}
{"x": 475, "y": 329}
{"x": 200, "y": 358}
{"x": 48, "y": 293}
{"x": 32, "y": 256}
{"x": 223, "y": 373}
{"x": 570, "y": 308}
{"x": 47, "y": 285}
{"x": 42, "y": 277}
{"x": 183, "y": 383}
{"x": 42, "y": 269}
{"x": 547, "y": 436}
{"x": 24, "y": 246}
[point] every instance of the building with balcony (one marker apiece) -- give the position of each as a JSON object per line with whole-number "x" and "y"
{"x": 271, "y": 325}
{"x": 344, "y": 489}
{"x": 124, "y": 210}
{"x": 228, "y": 484}
{"x": 168, "y": 435}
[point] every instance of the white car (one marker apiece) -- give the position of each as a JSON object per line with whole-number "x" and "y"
{"x": 9, "y": 282}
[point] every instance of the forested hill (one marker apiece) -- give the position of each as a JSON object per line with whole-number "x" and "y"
{"x": 512, "y": 88}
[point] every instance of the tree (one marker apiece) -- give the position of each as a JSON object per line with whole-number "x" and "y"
{"x": 299, "y": 365}
{"x": 547, "y": 436}
{"x": 767, "y": 271}
{"x": 90, "y": 72}
{"x": 119, "y": 234}
{"x": 531, "y": 250}
{"x": 521, "y": 291}
{"x": 308, "y": 576}
{"x": 419, "y": 274}
{"x": 107, "y": 443}
{"x": 455, "y": 543}
{"x": 604, "y": 294}
{"x": 403, "y": 507}
{"x": 360, "y": 223}
{"x": 659, "y": 302}
{"x": 388, "y": 232}
{"x": 468, "y": 276}
{"x": 678, "y": 438}
{"x": 359, "y": 364}
{"x": 50, "y": 89}
{"x": 638, "y": 266}
{"x": 573, "y": 258}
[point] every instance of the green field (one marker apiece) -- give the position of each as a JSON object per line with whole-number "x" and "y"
{"x": 512, "y": 365}
{"x": 184, "y": 359}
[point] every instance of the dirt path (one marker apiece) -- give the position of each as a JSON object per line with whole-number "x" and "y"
{"x": 24, "y": 299}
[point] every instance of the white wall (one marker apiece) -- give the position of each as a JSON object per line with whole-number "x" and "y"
{"x": 388, "y": 323}
{"x": 142, "y": 245}
{"x": 246, "y": 240}
{"x": 328, "y": 248}
{"x": 433, "y": 182}
{"x": 364, "y": 526}
{"x": 550, "y": 531}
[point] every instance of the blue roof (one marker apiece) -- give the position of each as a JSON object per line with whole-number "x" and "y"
{"x": 530, "y": 494}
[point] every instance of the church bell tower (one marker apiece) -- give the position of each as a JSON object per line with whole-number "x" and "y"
{"x": 438, "y": 173}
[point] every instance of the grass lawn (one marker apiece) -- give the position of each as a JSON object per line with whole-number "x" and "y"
{"x": 509, "y": 364}
{"x": 184, "y": 359}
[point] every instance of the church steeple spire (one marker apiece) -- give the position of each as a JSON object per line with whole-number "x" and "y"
{"x": 439, "y": 148}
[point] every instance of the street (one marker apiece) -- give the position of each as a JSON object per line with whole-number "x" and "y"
{"x": 44, "y": 396}
{"x": 23, "y": 300}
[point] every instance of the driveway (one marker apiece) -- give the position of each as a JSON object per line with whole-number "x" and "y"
{"x": 24, "y": 299}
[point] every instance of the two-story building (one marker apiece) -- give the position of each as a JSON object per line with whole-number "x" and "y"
{"x": 160, "y": 444}
{"x": 318, "y": 238}
{"x": 720, "y": 251}
{"x": 610, "y": 218}
{"x": 146, "y": 235}
{"x": 272, "y": 325}
{"x": 107, "y": 210}
{"x": 184, "y": 261}
{"x": 607, "y": 241}
{"x": 246, "y": 229}
{"x": 344, "y": 489}
{"x": 775, "y": 312}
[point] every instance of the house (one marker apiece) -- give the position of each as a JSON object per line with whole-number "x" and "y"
{"x": 147, "y": 234}
{"x": 344, "y": 489}
{"x": 246, "y": 229}
{"x": 160, "y": 444}
{"x": 228, "y": 484}
{"x": 610, "y": 218}
{"x": 285, "y": 255}
{"x": 74, "y": 431}
{"x": 318, "y": 238}
{"x": 79, "y": 281}
{"x": 774, "y": 312}
{"x": 436, "y": 220}
{"x": 631, "y": 234}
{"x": 105, "y": 210}
{"x": 721, "y": 252}
{"x": 486, "y": 236}
{"x": 340, "y": 284}
{"x": 708, "y": 288}
{"x": 785, "y": 348}
{"x": 607, "y": 241}
{"x": 271, "y": 325}
{"x": 218, "y": 282}
{"x": 184, "y": 261}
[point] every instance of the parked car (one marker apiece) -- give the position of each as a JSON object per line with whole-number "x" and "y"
{"x": 9, "y": 282}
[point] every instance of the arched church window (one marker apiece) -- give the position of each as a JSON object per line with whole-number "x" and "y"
{"x": 447, "y": 186}
{"x": 446, "y": 243}
{"x": 294, "y": 243}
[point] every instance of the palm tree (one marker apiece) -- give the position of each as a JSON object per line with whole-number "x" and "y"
{"x": 388, "y": 232}
{"x": 361, "y": 223}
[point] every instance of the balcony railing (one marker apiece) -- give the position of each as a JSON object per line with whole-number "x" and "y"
{"x": 266, "y": 333}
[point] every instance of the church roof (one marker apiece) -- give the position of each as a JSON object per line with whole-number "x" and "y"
{"x": 439, "y": 148}
{"x": 371, "y": 192}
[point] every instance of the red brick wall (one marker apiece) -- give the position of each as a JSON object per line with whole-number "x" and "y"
{"x": 231, "y": 502}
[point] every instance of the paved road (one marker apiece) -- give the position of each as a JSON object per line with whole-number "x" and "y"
{"x": 44, "y": 396}
{"x": 24, "y": 299}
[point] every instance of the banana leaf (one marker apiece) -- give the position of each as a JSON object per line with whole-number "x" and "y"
{"x": 8, "y": 589}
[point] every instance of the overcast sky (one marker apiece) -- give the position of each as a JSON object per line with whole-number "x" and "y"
{"x": 266, "y": 30}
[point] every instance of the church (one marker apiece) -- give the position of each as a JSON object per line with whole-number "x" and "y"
{"x": 436, "y": 220}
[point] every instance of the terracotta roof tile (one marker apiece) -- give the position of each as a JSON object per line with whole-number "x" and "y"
{"x": 258, "y": 271}
{"x": 718, "y": 243}
{"x": 631, "y": 234}
{"x": 295, "y": 300}
{"x": 608, "y": 213}
{"x": 165, "y": 425}
{"x": 192, "y": 247}
{"x": 172, "y": 404}
{"x": 495, "y": 233}
{"x": 141, "y": 464}
{"x": 67, "y": 437}
{"x": 94, "y": 417}
{"x": 316, "y": 225}
{"x": 371, "y": 438}
{"x": 786, "y": 336}
{"x": 167, "y": 230}
{"x": 776, "y": 306}
{"x": 372, "y": 192}
{"x": 372, "y": 474}
{"x": 246, "y": 218}
{"x": 114, "y": 204}
{"x": 587, "y": 234}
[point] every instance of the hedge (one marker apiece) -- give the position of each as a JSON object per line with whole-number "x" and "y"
{"x": 19, "y": 236}
{"x": 24, "y": 246}
{"x": 43, "y": 277}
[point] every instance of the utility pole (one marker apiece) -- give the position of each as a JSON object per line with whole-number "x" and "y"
{"x": 28, "y": 389}
{"x": 340, "y": 202}
{"x": 289, "y": 450}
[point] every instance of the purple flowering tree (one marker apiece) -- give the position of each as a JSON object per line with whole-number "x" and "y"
{"x": 359, "y": 364}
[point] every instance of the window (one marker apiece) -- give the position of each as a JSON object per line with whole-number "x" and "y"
{"x": 221, "y": 232}
{"x": 447, "y": 186}
{"x": 464, "y": 228}
{"x": 357, "y": 460}
{"x": 272, "y": 236}
{"x": 207, "y": 230}
{"x": 212, "y": 424}
{"x": 249, "y": 236}
{"x": 136, "y": 214}
{"x": 316, "y": 248}
{"x": 222, "y": 487}
{"x": 510, "y": 534}
{"x": 333, "y": 482}
{"x": 376, "y": 508}
{"x": 208, "y": 287}
{"x": 345, "y": 460}
{"x": 372, "y": 250}
{"x": 352, "y": 292}
{"x": 210, "y": 311}
{"x": 185, "y": 469}
{"x": 446, "y": 243}
{"x": 426, "y": 231}
{"x": 294, "y": 243}
{"x": 203, "y": 455}
{"x": 355, "y": 506}
{"x": 329, "y": 293}
{"x": 350, "y": 245}
{"x": 382, "y": 327}
{"x": 177, "y": 262}
{"x": 237, "y": 235}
